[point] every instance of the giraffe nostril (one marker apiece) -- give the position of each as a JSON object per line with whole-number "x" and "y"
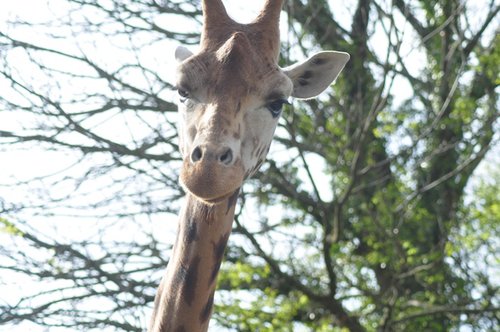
{"x": 196, "y": 155}
{"x": 226, "y": 157}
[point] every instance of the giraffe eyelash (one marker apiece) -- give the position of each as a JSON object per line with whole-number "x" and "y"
{"x": 276, "y": 107}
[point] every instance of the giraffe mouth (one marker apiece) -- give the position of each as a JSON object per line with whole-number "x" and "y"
{"x": 219, "y": 200}
{"x": 210, "y": 182}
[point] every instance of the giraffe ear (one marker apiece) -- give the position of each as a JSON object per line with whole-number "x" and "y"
{"x": 182, "y": 53}
{"x": 314, "y": 75}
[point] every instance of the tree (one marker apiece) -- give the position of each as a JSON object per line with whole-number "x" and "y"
{"x": 358, "y": 221}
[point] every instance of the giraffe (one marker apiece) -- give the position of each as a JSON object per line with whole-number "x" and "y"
{"x": 231, "y": 94}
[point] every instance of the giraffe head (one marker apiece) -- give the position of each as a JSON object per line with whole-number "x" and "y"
{"x": 231, "y": 94}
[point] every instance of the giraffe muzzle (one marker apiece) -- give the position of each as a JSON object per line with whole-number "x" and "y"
{"x": 212, "y": 174}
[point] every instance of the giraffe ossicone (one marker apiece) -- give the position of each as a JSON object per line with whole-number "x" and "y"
{"x": 231, "y": 93}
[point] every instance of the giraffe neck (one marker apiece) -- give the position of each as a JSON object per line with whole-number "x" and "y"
{"x": 185, "y": 297}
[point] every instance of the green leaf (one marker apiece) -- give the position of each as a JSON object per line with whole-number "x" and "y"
{"x": 9, "y": 228}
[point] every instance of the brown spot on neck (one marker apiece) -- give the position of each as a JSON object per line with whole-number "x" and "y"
{"x": 189, "y": 289}
{"x": 192, "y": 231}
{"x": 207, "y": 309}
{"x": 218, "y": 254}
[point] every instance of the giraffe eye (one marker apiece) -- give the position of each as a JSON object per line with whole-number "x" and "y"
{"x": 276, "y": 106}
{"x": 183, "y": 94}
